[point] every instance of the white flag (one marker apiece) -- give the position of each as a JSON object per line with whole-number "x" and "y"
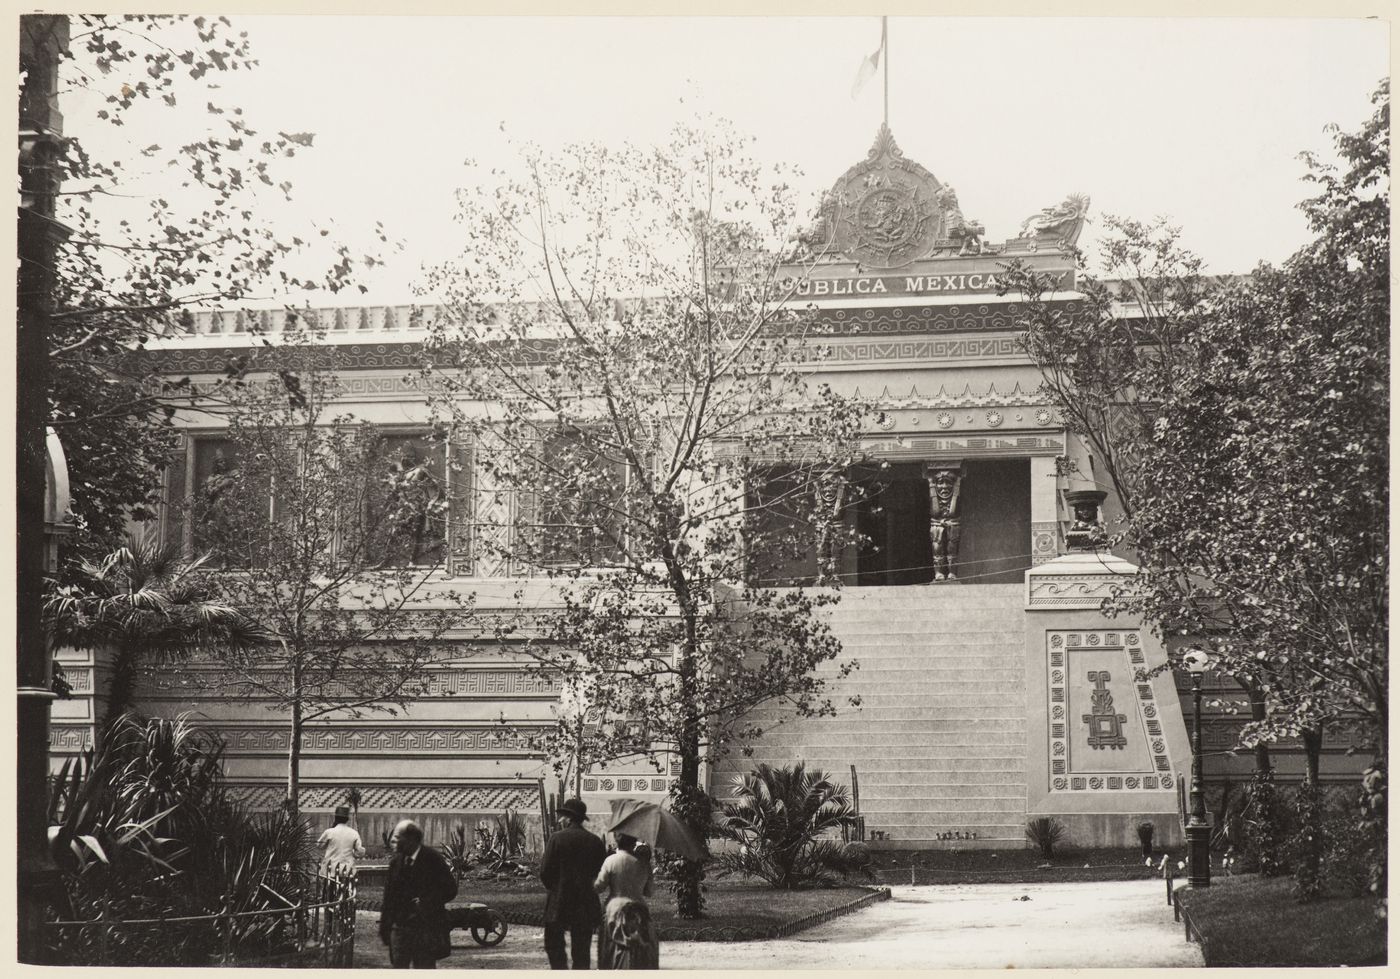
{"x": 870, "y": 64}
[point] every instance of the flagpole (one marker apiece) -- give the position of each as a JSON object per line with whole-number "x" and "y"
{"x": 885, "y": 43}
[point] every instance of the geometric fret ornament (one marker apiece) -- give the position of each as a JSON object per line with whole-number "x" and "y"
{"x": 1105, "y": 727}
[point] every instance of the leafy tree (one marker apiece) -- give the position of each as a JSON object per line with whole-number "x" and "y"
{"x": 317, "y": 524}
{"x": 144, "y": 601}
{"x": 630, "y": 366}
{"x": 779, "y": 818}
{"x": 1252, "y": 464}
{"x": 155, "y": 231}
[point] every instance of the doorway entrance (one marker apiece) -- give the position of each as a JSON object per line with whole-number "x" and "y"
{"x": 892, "y": 517}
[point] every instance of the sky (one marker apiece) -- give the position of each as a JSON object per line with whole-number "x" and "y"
{"x": 1198, "y": 119}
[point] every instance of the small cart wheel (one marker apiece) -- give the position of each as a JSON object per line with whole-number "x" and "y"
{"x": 492, "y": 929}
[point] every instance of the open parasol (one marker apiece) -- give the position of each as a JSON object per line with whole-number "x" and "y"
{"x": 651, "y": 824}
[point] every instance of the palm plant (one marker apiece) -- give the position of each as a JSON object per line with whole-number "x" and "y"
{"x": 779, "y": 818}
{"x": 143, "y": 600}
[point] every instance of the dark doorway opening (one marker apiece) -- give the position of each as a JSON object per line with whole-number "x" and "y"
{"x": 996, "y": 521}
{"x": 892, "y": 517}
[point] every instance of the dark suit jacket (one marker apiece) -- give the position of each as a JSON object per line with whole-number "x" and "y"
{"x": 572, "y": 859}
{"x": 429, "y": 880}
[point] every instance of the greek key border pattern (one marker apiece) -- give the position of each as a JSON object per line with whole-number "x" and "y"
{"x": 1059, "y": 645}
{"x": 468, "y": 684}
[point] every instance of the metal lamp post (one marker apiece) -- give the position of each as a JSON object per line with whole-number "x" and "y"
{"x": 1196, "y": 662}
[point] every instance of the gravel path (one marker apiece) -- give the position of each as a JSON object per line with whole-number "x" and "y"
{"x": 1116, "y": 924}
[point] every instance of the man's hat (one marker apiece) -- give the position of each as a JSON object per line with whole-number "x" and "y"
{"x": 342, "y": 812}
{"x": 575, "y": 808}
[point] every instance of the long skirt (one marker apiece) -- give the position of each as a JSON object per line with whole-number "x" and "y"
{"x": 627, "y": 939}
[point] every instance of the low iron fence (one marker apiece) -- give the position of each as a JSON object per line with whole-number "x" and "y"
{"x": 306, "y": 920}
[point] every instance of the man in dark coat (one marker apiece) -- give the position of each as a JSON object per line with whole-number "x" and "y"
{"x": 572, "y": 858}
{"x": 413, "y": 922}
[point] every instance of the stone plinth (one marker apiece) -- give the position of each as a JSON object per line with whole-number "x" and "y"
{"x": 1106, "y": 746}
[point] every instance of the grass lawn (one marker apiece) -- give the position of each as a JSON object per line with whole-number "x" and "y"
{"x": 1013, "y": 866}
{"x": 734, "y": 911}
{"x": 1256, "y": 921}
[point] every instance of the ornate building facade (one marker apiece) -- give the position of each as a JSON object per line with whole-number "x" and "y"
{"x": 992, "y": 688}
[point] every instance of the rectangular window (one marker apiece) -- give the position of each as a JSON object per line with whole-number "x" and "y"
{"x": 581, "y": 495}
{"x": 214, "y": 482}
{"x": 394, "y": 511}
{"x": 406, "y": 494}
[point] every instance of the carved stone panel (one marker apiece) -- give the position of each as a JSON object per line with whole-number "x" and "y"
{"x": 1104, "y": 726}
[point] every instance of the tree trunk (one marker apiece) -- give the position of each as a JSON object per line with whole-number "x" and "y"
{"x": 123, "y": 687}
{"x": 293, "y": 800}
{"x": 1312, "y": 748}
{"x": 1258, "y": 712}
{"x": 1308, "y": 872}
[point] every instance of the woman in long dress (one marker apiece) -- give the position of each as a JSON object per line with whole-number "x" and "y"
{"x": 628, "y": 938}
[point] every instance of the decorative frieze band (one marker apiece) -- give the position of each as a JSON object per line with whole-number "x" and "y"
{"x": 904, "y": 447}
{"x": 463, "y": 683}
{"x": 931, "y": 350}
{"x": 625, "y": 784}
{"x": 397, "y": 798}
{"x": 485, "y": 739}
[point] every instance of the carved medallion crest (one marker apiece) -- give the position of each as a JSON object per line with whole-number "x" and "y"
{"x": 887, "y": 212}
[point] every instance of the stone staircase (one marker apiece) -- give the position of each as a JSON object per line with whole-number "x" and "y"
{"x": 939, "y": 741}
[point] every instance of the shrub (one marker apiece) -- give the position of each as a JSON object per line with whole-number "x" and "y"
{"x": 1373, "y": 827}
{"x": 1046, "y": 833}
{"x": 1145, "y": 831}
{"x": 1266, "y": 825}
{"x": 778, "y": 818}
{"x": 143, "y": 828}
{"x": 1305, "y": 847}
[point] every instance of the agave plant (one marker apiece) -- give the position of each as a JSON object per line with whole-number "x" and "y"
{"x": 1046, "y": 834}
{"x": 143, "y": 828}
{"x": 457, "y": 851}
{"x": 143, "y": 600}
{"x": 779, "y": 819}
{"x": 500, "y": 843}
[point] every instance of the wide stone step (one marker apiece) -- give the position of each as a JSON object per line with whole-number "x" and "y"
{"x": 930, "y": 635}
{"x": 932, "y": 758}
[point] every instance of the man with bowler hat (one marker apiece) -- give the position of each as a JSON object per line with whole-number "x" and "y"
{"x": 342, "y": 845}
{"x": 572, "y": 858}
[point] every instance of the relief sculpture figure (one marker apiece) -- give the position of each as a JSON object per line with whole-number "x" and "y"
{"x": 944, "y": 525}
{"x": 958, "y": 228}
{"x": 1063, "y": 222}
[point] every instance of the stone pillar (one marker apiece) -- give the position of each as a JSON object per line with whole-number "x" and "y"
{"x": 944, "y": 516}
{"x": 1045, "y": 510}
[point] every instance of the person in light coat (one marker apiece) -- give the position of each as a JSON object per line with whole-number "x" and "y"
{"x": 342, "y": 846}
{"x": 628, "y": 937}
